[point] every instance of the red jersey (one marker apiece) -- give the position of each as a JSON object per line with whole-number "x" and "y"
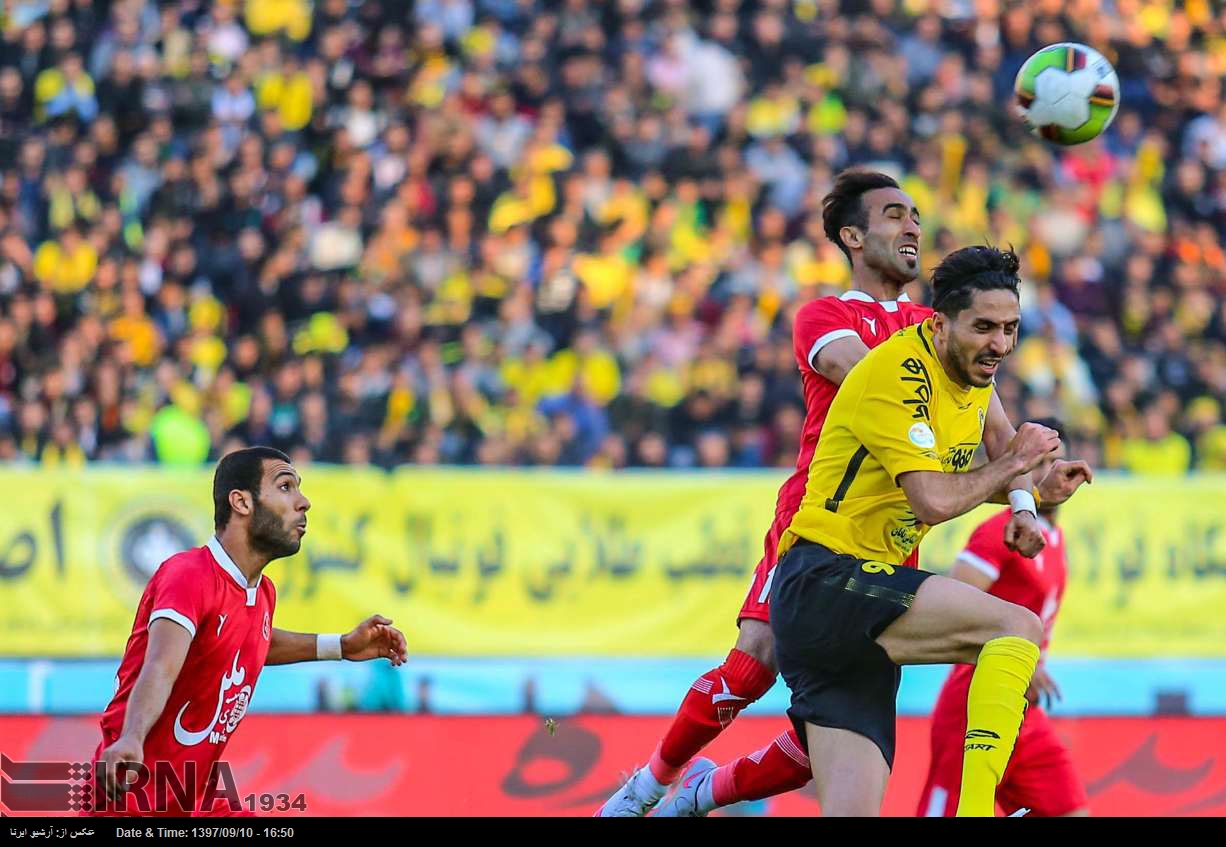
{"x": 1037, "y": 584}
{"x": 203, "y": 591}
{"x": 819, "y": 322}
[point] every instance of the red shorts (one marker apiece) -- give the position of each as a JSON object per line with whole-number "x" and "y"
{"x": 1040, "y": 775}
{"x": 220, "y": 808}
{"x": 757, "y": 604}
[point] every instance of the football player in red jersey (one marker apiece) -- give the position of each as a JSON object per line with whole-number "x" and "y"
{"x": 1040, "y": 777}
{"x": 877, "y": 226}
{"x": 202, "y": 634}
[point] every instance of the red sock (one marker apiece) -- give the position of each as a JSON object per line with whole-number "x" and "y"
{"x": 777, "y": 768}
{"x": 712, "y": 702}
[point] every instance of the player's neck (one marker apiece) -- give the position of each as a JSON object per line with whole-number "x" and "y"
{"x": 249, "y": 561}
{"x": 874, "y": 285}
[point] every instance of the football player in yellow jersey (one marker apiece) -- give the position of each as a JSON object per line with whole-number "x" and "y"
{"x": 895, "y": 459}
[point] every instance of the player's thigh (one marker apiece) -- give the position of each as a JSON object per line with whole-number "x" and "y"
{"x": 849, "y": 772}
{"x": 1041, "y": 775}
{"x": 949, "y": 621}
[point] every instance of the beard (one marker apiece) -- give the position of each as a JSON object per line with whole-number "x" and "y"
{"x": 268, "y": 535}
{"x": 957, "y": 361}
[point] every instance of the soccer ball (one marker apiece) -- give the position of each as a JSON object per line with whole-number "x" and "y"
{"x": 1067, "y": 93}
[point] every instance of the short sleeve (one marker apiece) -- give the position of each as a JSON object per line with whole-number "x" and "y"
{"x": 817, "y": 324}
{"x": 179, "y": 596}
{"x": 891, "y": 420}
{"x": 985, "y": 550}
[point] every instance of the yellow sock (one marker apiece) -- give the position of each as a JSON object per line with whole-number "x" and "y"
{"x": 994, "y": 710}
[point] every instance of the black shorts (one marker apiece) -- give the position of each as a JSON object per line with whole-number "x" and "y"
{"x": 827, "y": 609}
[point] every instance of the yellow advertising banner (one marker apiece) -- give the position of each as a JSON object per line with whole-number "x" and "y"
{"x": 536, "y": 563}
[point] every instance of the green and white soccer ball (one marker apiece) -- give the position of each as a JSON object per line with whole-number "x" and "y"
{"x": 1067, "y": 93}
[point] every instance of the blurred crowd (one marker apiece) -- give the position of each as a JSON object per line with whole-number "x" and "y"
{"x": 556, "y": 232}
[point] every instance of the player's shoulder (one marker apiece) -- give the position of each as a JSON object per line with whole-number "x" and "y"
{"x": 823, "y": 308}
{"x": 187, "y": 564}
{"x": 913, "y": 313}
{"x": 903, "y": 345}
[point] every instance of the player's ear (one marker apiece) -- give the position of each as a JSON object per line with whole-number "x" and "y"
{"x": 241, "y": 502}
{"x": 852, "y": 236}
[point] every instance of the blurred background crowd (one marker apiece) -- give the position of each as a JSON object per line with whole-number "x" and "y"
{"x": 555, "y": 232}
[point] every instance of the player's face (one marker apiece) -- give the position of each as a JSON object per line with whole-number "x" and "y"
{"x": 279, "y": 520}
{"x": 979, "y": 338}
{"x": 892, "y": 241}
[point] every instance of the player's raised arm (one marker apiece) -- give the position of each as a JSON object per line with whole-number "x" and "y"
{"x": 373, "y": 638}
{"x": 168, "y": 645}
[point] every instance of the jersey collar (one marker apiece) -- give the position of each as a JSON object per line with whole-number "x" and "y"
{"x": 888, "y": 305}
{"x": 227, "y": 564}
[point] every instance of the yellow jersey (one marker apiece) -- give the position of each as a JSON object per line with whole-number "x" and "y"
{"x": 896, "y": 411}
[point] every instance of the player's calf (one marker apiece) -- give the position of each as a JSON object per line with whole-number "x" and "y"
{"x": 713, "y": 701}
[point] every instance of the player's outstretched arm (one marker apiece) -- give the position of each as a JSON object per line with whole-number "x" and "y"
{"x": 1062, "y": 479}
{"x": 373, "y": 638}
{"x": 164, "y": 657}
{"x": 936, "y": 497}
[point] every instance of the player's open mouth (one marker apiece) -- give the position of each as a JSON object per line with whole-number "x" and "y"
{"x": 988, "y": 365}
{"x": 908, "y": 252}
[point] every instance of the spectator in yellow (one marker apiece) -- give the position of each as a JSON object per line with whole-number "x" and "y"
{"x": 135, "y": 329}
{"x": 63, "y": 451}
{"x": 71, "y": 198}
{"x": 64, "y": 89}
{"x": 289, "y": 92}
{"x": 606, "y": 276}
{"x": 1204, "y": 417}
{"x": 529, "y": 198}
{"x": 293, "y": 17}
{"x": 66, "y": 266}
{"x": 1161, "y": 452}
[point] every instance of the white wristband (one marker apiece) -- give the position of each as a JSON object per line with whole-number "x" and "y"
{"x": 328, "y": 647}
{"x": 1023, "y": 501}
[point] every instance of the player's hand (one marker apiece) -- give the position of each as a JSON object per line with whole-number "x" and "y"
{"x": 1023, "y": 536}
{"x": 1042, "y": 686}
{"x": 1032, "y": 443}
{"x": 1063, "y": 478}
{"x": 375, "y": 638}
{"x": 125, "y": 750}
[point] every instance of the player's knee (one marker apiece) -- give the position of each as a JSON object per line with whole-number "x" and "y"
{"x": 1020, "y": 622}
{"x": 756, "y": 639}
{"x": 746, "y": 678}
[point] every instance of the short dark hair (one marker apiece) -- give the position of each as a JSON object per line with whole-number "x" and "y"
{"x": 1052, "y": 423}
{"x": 971, "y": 269}
{"x": 240, "y": 470}
{"x": 844, "y": 205}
